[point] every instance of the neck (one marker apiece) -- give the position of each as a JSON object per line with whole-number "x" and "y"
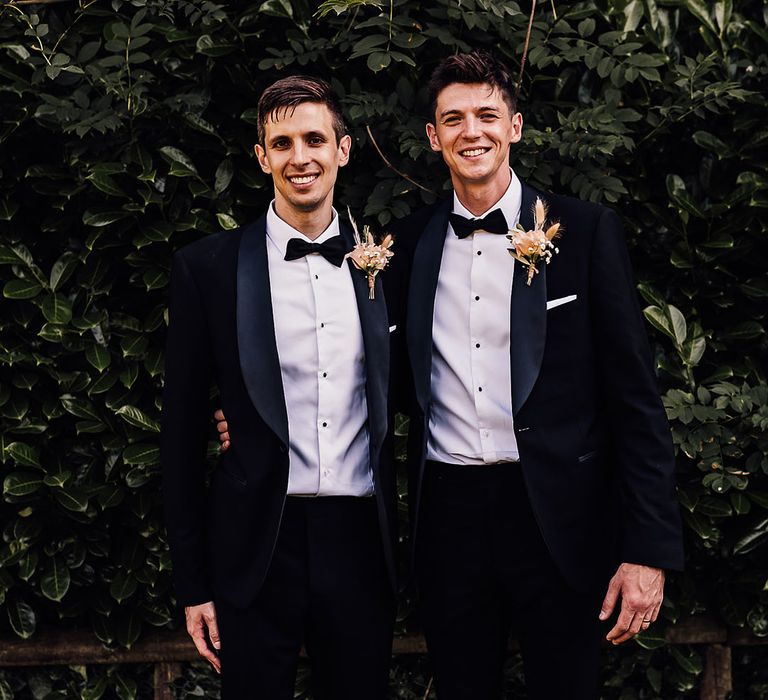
{"x": 311, "y": 223}
{"x": 479, "y": 197}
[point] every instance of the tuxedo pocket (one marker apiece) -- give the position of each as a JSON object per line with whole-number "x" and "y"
{"x": 552, "y": 303}
{"x": 392, "y": 329}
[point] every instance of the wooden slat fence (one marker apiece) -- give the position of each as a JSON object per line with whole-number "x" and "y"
{"x": 168, "y": 649}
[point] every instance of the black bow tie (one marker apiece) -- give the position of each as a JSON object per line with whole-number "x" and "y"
{"x": 333, "y": 250}
{"x": 492, "y": 223}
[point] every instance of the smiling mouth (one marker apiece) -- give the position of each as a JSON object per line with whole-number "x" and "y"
{"x": 302, "y": 179}
{"x": 473, "y": 152}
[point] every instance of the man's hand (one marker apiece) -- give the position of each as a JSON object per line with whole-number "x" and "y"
{"x": 199, "y": 619}
{"x": 223, "y": 428}
{"x": 641, "y": 589}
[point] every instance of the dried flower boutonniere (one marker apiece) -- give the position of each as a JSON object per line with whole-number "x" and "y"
{"x": 532, "y": 246}
{"x": 368, "y": 256}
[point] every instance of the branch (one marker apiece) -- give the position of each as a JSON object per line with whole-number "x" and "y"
{"x": 525, "y": 49}
{"x": 392, "y": 167}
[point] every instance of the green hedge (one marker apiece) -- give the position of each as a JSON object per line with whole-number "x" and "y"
{"x": 127, "y": 131}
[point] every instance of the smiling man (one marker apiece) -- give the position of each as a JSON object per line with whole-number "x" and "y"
{"x": 292, "y": 540}
{"x": 543, "y": 492}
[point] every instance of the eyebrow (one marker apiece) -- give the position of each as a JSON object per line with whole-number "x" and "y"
{"x": 308, "y": 135}
{"x": 452, "y": 112}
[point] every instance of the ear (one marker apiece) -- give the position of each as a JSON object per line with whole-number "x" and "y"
{"x": 345, "y": 145}
{"x": 434, "y": 141}
{"x": 261, "y": 154}
{"x": 517, "y": 127}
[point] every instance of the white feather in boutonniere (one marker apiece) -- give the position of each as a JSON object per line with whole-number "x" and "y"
{"x": 368, "y": 256}
{"x": 530, "y": 247}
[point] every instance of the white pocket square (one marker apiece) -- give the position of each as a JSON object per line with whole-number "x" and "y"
{"x": 391, "y": 328}
{"x": 562, "y": 300}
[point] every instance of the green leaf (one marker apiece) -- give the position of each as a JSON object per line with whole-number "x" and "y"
{"x": 746, "y": 330}
{"x": 141, "y": 453}
{"x": 208, "y": 46}
{"x": 21, "y": 289}
{"x": 367, "y": 44}
{"x": 57, "y": 309}
{"x": 72, "y": 499}
{"x": 28, "y": 566}
{"x": 15, "y": 255}
{"x": 95, "y": 687}
{"x": 110, "y": 496}
{"x": 24, "y": 455}
{"x": 155, "y": 278}
{"x": 224, "y": 174}
{"x": 181, "y": 164}
{"x": 699, "y": 10}
{"x": 21, "y": 483}
{"x": 98, "y": 357}
{"x": 134, "y": 345}
{"x": 138, "y": 419}
{"x": 125, "y": 686}
{"x": 723, "y": 10}
{"x": 378, "y": 61}
{"x": 55, "y": 581}
{"x": 22, "y": 618}
{"x": 669, "y": 321}
{"x": 103, "y": 218}
{"x": 710, "y": 142}
{"x": 633, "y": 14}
{"x": 7, "y": 209}
{"x": 679, "y": 195}
{"x": 62, "y": 270}
{"x": 123, "y": 586}
{"x": 79, "y": 408}
{"x": 226, "y": 221}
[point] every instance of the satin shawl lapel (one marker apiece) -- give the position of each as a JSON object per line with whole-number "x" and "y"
{"x": 421, "y": 299}
{"x": 373, "y": 322}
{"x": 256, "y": 344}
{"x": 528, "y": 322}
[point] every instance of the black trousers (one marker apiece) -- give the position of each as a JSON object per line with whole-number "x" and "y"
{"x": 483, "y": 571}
{"x": 327, "y": 587}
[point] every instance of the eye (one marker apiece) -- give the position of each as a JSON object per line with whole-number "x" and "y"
{"x": 280, "y": 144}
{"x": 451, "y": 121}
{"x": 316, "y": 141}
{"x": 489, "y": 116}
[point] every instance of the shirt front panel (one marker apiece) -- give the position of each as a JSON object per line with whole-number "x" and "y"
{"x": 322, "y": 364}
{"x": 470, "y": 417}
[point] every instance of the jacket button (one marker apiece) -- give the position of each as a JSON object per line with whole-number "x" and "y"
{"x": 283, "y": 449}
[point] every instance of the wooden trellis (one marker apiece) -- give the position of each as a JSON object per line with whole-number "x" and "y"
{"x": 168, "y": 649}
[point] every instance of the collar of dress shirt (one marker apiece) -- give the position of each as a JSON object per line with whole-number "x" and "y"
{"x": 280, "y": 232}
{"x": 509, "y": 203}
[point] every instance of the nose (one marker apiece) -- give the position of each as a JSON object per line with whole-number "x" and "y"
{"x": 299, "y": 154}
{"x": 471, "y": 127}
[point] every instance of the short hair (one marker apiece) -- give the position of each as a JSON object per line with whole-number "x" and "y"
{"x": 477, "y": 66}
{"x": 286, "y": 94}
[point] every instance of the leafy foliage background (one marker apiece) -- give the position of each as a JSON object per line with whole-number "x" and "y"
{"x": 126, "y": 131}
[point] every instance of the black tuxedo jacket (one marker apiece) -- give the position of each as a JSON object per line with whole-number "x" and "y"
{"x": 595, "y": 446}
{"x": 222, "y": 332}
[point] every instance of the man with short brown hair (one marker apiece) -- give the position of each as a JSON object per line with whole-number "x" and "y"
{"x": 539, "y": 449}
{"x": 292, "y": 542}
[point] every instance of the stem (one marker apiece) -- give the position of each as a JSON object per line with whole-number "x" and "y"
{"x": 40, "y": 47}
{"x": 392, "y": 167}
{"x": 128, "y": 71}
{"x": 525, "y": 48}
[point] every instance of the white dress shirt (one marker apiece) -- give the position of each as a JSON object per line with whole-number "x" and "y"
{"x": 470, "y": 420}
{"x": 322, "y": 364}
